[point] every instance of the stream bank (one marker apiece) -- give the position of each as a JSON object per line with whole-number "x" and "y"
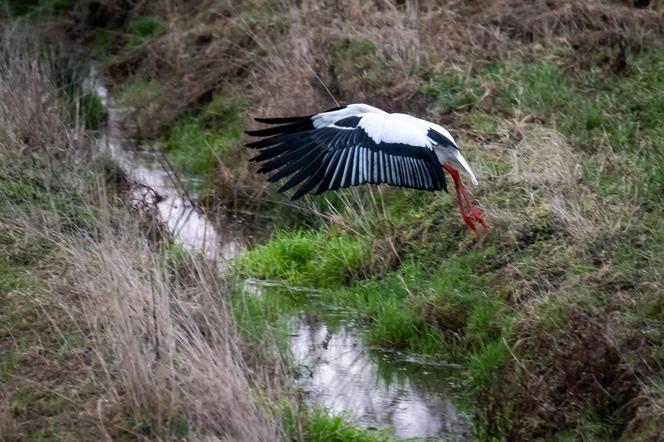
{"x": 411, "y": 398}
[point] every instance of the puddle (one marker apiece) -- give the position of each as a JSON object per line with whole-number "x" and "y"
{"x": 375, "y": 389}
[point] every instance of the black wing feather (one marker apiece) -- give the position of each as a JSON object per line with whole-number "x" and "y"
{"x": 303, "y": 174}
{"x": 292, "y": 167}
{"x": 283, "y": 120}
{"x": 277, "y": 130}
{"x": 330, "y": 158}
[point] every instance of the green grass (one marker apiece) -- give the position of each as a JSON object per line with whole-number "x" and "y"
{"x": 263, "y": 320}
{"x": 36, "y": 335}
{"x": 533, "y": 276}
{"x": 452, "y": 89}
{"x": 195, "y": 145}
{"x": 412, "y": 309}
{"x": 308, "y": 258}
{"x": 480, "y": 301}
{"x": 91, "y": 111}
{"x": 194, "y": 150}
{"x": 102, "y": 41}
{"x": 37, "y": 7}
{"x": 146, "y": 425}
{"x": 356, "y": 62}
{"x": 143, "y": 28}
{"x": 323, "y": 427}
{"x": 139, "y": 92}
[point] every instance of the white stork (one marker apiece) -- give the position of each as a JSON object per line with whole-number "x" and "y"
{"x": 358, "y": 144}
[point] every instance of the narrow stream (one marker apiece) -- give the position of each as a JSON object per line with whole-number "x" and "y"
{"x": 376, "y": 389}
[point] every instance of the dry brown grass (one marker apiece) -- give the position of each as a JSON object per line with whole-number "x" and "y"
{"x": 579, "y": 23}
{"x": 281, "y": 55}
{"x": 555, "y": 234}
{"x": 30, "y": 114}
{"x": 175, "y": 354}
{"x": 545, "y": 165}
{"x": 155, "y": 354}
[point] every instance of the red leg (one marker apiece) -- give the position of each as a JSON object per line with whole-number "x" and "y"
{"x": 463, "y": 196}
{"x": 473, "y": 209}
{"x": 460, "y": 200}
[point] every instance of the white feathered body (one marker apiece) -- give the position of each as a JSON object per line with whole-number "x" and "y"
{"x": 357, "y": 144}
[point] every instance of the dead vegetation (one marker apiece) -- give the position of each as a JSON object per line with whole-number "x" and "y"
{"x": 176, "y": 358}
{"x": 101, "y": 336}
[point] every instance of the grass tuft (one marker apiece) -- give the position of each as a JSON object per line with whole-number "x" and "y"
{"x": 144, "y": 27}
{"x": 305, "y": 258}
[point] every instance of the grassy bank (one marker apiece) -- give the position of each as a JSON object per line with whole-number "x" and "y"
{"x": 565, "y": 282}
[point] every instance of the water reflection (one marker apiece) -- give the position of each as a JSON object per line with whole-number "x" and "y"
{"x": 144, "y": 163}
{"x": 416, "y": 400}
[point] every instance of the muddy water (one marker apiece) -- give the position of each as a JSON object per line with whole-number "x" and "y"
{"x": 412, "y": 398}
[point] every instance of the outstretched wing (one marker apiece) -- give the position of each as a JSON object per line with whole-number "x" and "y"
{"x": 337, "y": 149}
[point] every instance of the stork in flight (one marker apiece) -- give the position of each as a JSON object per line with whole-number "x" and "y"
{"x": 357, "y": 144}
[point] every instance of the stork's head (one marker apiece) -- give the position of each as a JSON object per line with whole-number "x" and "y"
{"x": 457, "y": 161}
